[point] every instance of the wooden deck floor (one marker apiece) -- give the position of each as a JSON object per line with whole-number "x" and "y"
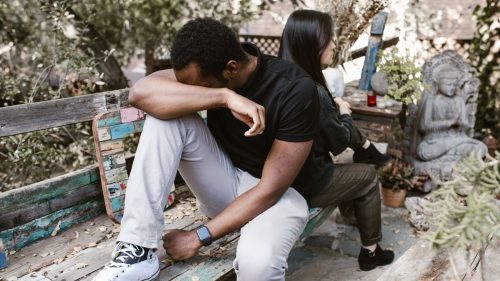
{"x": 79, "y": 253}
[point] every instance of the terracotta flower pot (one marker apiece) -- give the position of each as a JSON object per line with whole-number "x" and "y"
{"x": 394, "y": 199}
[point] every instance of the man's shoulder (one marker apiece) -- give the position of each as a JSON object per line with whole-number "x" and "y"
{"x": 286, "y": 69}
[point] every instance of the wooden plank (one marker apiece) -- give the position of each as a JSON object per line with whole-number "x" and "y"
{"x": 117, "y": 203}
{"x": 20, "y": 236}
{"x": 361, "y": 52}
{"x": 374, "y": 43}
{"x": 109, "y": 119}
{"x": 48, "y": 189}
{"x": 116, "y": 175}
{"x": 130, "y": 114}
{"x": 210, "y": 264}
{"x": 39, "y": 209}
{"x": 96, "y": 258}
{"x": 121, "y": 130}
{"x": 54, "y": 113}
{"x": 117, "y": 189}
{"x": 62, "y": 246}
{"x": 113, "y": 161}
{"x": 112, "y": 145}
{"x": 104, "y": 133}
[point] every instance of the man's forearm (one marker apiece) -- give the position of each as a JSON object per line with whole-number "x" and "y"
{"x": 283, "y": 164}
{"x": 241, "y": 211}
{"x": 164, "y": 98}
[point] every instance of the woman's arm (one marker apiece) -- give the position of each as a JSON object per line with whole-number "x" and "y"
{"x": 336, "y": 130}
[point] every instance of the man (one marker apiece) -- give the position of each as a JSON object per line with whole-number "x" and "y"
{"x": 262, "y": 116}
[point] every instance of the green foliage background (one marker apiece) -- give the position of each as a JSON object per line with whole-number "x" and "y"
{"x": 484, "y": 55}
{"x": 51, "y": 49}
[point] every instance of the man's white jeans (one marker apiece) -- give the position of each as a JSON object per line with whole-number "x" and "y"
{"x": 187, "y": 144}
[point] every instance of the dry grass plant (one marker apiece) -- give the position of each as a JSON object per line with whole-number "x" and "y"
{"x": 350, "y": 19}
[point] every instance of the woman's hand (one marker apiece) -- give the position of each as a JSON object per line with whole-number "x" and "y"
{"x": 344, "y": 107}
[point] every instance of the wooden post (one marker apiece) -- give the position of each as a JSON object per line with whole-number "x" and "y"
{"x": 374, "y": 44}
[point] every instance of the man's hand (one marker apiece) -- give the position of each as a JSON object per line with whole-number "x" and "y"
{"x": 181, "y": 244}
{"x": 344, "y": 107}
{"x": 247, "y": 111}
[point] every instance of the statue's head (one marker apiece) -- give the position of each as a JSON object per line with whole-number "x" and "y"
{"x": 447, "y": 79}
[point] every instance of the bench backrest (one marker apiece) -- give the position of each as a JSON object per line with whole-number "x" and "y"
{"x": 110, "y": 129}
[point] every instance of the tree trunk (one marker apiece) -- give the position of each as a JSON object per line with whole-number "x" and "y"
{"x": 149, "y": 57}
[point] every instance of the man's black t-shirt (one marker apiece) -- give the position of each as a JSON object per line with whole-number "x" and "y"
{"x": 291, "y": 103}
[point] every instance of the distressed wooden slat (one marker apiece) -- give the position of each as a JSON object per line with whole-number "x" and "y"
{"x": 20, "y": 236}
{"x": 117, "y": 189}
{"x": 212, "y": 264}
{"x": 117, "y": 203}
{"x": 361, "y": 52}
{"x": 113, "y": 151}
{"x": 97, "y": 257}
{"x": 49, "y": 114}
{"x": 104, "y": 133}
{"x": 374, "y": 43}
{"x": 113, "y": 161}
{"x": 109, "y": 119}
{"x": 48, "y": 189}
{"x": 121, "y": 130}
{"x": 130, "y": 114}
{"x": 116, "y": 175}
{"x": 42, "y": 208}
{"x": 111, "y": 145}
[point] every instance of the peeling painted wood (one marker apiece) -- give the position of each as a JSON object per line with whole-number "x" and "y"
{"x": 111, "y": 157}
{"x": 131, "y": 114}
{"x": 25, "y": 214}
{"x": 374, "y": 43}
{"x": 20, "y": 236}
{"x": 48, "y": 189}
{"x": 30, "y": 117}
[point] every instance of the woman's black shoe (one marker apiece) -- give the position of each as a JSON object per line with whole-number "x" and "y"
{"x": 368, "y": 260}
{"x": 371, "y": 155}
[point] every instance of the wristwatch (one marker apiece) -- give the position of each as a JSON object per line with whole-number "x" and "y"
{"x": 204, "y": 235}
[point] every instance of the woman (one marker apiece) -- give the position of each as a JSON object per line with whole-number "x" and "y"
{"x": 307, "y": 41}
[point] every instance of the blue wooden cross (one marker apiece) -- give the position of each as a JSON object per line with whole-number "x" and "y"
{"x": 374, "y": 44}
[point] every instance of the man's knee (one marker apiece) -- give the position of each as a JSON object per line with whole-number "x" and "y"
{"x": 259, "y": 263}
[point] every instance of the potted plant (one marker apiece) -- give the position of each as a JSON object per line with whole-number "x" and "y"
{"x": 396, "y": 178}
{"x": 402, "y": 79}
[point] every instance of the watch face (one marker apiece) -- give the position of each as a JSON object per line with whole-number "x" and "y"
{"x": 204, "y": 235}
{"x": 203, "y": 232}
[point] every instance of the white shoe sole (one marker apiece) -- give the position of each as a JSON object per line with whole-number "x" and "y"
{"x": 154, "y": 277}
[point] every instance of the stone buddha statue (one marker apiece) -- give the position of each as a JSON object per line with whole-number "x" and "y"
{"x": 445, "y": 116}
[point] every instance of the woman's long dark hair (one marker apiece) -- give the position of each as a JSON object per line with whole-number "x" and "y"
{"x": 306, "y": 35}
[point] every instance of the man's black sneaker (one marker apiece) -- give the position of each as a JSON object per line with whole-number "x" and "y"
{"x": 371, "y": 155}
{"x": 368, "y": 260}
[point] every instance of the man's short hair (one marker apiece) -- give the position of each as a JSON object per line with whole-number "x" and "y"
{"x": 207, "y": 42}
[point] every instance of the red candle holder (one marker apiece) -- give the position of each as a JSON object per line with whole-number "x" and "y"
{"x": 371, "y": 98}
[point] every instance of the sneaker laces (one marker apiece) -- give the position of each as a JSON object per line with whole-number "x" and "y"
{"x": 124, "y": 251}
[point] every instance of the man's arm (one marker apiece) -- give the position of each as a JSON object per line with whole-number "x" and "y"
{"x": 163, "y": 97}
{"x": 283, "y": 163}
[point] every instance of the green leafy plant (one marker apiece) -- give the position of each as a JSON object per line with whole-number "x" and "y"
{"x": 463, "y": 212}
{"x": 397, "y": 174}
{"x": 403, "y": 76}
